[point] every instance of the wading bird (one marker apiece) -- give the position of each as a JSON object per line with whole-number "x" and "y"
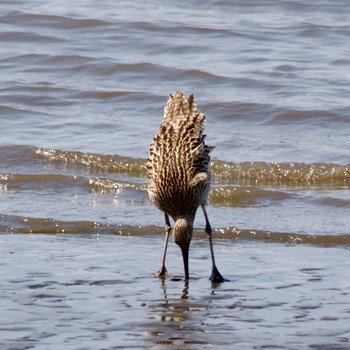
{"x": 179, "y": 175}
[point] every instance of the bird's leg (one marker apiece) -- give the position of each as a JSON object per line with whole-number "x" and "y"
{"x": 163, "y": 271}
{"x": 215, "y": 274}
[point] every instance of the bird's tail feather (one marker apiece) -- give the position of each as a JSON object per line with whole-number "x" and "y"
{"x": 180, "y": 108}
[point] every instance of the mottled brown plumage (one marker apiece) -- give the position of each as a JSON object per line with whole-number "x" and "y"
{"x": 179, "y": 175}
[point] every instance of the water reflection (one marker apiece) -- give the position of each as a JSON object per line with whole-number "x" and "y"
{"x": 175, "y": 310}
{"x": 177, "y": 320}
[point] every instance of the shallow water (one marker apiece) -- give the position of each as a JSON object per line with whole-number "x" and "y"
{"x": 98, "y": 291}
{"x": 82, "y": 91}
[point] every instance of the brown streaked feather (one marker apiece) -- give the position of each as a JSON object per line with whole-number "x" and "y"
{"x": 178, "y": 161}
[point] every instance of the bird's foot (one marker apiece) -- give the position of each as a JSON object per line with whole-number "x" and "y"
{"x": 216, "y": 276}
{"x": 162, "y": 272}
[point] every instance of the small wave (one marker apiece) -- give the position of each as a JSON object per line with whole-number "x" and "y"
{"x": 281, "y": 174}
{"x": 220, "y": 195}
{"x": 34, "y": 62}
{"x": 19, "y": 112}
{"x": 105, "y": 67}
{"x": 19, "y": 224}
{"x": 181, "y": 29}
{"x": 224, "y": 173}
{"x": 97, "y": 163}
{"x": 284, "y": 116}
{"x": 333, "y": 202}
{"x": 202, "y": 75}
{"x": 107, "y": 186}
{"x": 65, "y": 183}
{"x": 27, "y": 225}
{"x": 232, "y": 196}
{"x": 53, "y": 21}
{"x": 246, "y": 173}
{"x": 47, "y": 181}
{"x": 268, "y": 114}
{"x": 25, "y": 37}
{"x": 238, "y": 110}
{"x": 102, "y": 95}
{"x": 229, "y": 196}
{"x": 283, "y": 237}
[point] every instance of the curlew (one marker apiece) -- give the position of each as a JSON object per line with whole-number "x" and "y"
{"x": 179, "y": 175}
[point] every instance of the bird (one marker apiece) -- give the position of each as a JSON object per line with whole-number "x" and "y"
{"x": 178, "y": 173}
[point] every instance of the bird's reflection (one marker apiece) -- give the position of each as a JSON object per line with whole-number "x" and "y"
{"x": 178, "y": 309}
{"x": 178, "y": 319}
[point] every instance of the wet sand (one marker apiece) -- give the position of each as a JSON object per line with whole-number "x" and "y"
{"x": 99, "y": 292}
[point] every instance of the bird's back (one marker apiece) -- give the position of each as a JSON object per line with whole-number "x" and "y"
{"x": 178, "y": 162}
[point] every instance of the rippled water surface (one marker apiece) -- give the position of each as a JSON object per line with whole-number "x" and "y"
{"x": 88, "y": 292}
{"x": 82, "y": 90}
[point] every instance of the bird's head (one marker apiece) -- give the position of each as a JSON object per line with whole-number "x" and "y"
{"x": 182, "y": 232}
